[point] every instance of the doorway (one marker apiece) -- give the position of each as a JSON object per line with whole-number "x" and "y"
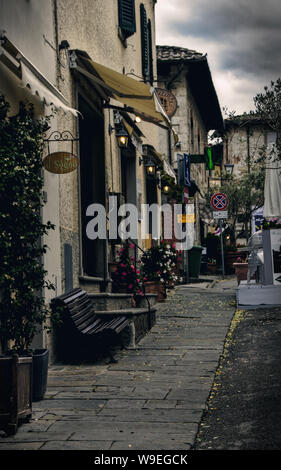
{"x": 92, "y": 184}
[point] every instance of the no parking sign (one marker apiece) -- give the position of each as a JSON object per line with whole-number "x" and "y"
{"x": 219, "y": 201}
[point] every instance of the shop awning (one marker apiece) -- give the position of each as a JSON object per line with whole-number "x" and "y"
{"x": 138, "y": 97}
{"x": 31, "y": 77}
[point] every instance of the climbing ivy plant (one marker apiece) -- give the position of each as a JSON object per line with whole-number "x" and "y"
{"x": 22, "y": 276}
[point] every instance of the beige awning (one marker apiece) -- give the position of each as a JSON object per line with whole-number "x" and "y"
{"x": 138, "y": 97}
{"x": 31, "y": 77}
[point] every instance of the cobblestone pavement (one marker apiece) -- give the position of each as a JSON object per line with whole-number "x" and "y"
{"x": 153, "y": 398}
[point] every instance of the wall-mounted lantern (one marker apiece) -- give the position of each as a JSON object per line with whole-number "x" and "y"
{"x": 166, "y": 189}
{"x": 122, "y": 138}
{"x": 121, "y": 134}
{"x": 228, "y": 167}
{"x": 150, "y": 168}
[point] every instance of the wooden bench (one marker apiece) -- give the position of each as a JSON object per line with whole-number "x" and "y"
{"x": 82, "y": 333}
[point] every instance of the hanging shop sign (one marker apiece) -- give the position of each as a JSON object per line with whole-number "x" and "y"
{"x": 168, "y": 101}
{"x": 60, "y": 162}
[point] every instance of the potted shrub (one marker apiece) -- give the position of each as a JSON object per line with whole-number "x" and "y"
{"x": 22, "y": 276}
{"x": 127, "y": 277}
{"x": 158, "y": 266}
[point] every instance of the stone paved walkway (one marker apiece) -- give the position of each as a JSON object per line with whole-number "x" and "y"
{"x": 153, "y": 398}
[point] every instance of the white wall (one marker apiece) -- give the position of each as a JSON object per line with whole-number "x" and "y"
{"x": 26, "y": 23}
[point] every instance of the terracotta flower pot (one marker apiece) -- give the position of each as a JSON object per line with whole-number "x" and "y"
{"x": 241, "y": 271}
{"x": 112, "y": 267}
{"x": 156, "y": 287}
{"x": 212, "y": 268}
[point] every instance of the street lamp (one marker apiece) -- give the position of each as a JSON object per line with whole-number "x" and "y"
{"x": 228, "y": 167}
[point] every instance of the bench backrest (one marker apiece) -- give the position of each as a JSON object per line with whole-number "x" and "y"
{"x": 78, "y": 307}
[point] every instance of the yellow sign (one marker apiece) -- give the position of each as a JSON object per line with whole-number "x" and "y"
{"x": 186, "y": 218}
{"x": 60, "y": 162}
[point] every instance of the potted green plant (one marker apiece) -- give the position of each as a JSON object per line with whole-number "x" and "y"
{"x": 22, "y": 276}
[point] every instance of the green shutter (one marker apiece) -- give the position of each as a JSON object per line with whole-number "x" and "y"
{"x": 144, "y": 42}
{"x": 151, "y": 78}
{"x": 127, "y": 17}
{"x": 209, "y": 158}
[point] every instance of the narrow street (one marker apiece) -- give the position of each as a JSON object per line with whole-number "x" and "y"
{"x": 153, "y": 397}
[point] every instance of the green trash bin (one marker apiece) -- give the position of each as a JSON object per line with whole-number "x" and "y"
{"x": 194, "y": 261}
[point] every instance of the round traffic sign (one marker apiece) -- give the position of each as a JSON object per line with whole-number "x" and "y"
{"x": 219, "y": 201}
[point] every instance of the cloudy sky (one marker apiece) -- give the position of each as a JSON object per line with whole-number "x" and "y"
{"x": 242, "y": 39}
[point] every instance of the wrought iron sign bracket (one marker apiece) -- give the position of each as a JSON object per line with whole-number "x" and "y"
{"x": 64, "y": 136}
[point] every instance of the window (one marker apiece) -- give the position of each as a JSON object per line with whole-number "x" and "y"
{"x": 191, "y": 133}
{"x": 146, "y": 46}
{"x": 199, "y": 142}
{"x": 127, "y": 18}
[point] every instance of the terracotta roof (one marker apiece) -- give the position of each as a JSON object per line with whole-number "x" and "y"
{"x": 199, "y": 80}
{"x": 172, "y": 53}
{"x": 243, "y": 119}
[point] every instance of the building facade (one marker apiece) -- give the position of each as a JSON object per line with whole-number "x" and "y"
{"x": 186, "y": 77}
{"x": 96, "y": 65}
{"x": 246, "y": 141}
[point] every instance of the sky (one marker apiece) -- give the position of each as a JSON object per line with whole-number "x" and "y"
{"x": 242, "y": 40}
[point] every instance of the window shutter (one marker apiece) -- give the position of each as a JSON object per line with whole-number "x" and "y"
{"x": 144, "y": 42}
{"x": 150, "y": 52}
{"x": 127, "y": 18}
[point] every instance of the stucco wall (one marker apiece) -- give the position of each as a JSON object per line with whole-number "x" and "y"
{"x": 236, "y": 148}
{"x": 93, "y": 27}
{"x": 28, "y": 24}
{"x": 186, "y": 107}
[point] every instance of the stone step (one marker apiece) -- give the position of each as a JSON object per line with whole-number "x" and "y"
{"x": 104, "y": 301}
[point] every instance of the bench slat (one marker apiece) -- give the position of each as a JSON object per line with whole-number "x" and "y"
{"x": 79, "y": 307}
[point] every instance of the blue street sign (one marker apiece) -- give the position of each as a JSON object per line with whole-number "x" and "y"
{"x": 187, "y": 181}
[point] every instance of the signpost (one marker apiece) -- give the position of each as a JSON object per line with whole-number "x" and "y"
{"x": 219, "y": 202}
